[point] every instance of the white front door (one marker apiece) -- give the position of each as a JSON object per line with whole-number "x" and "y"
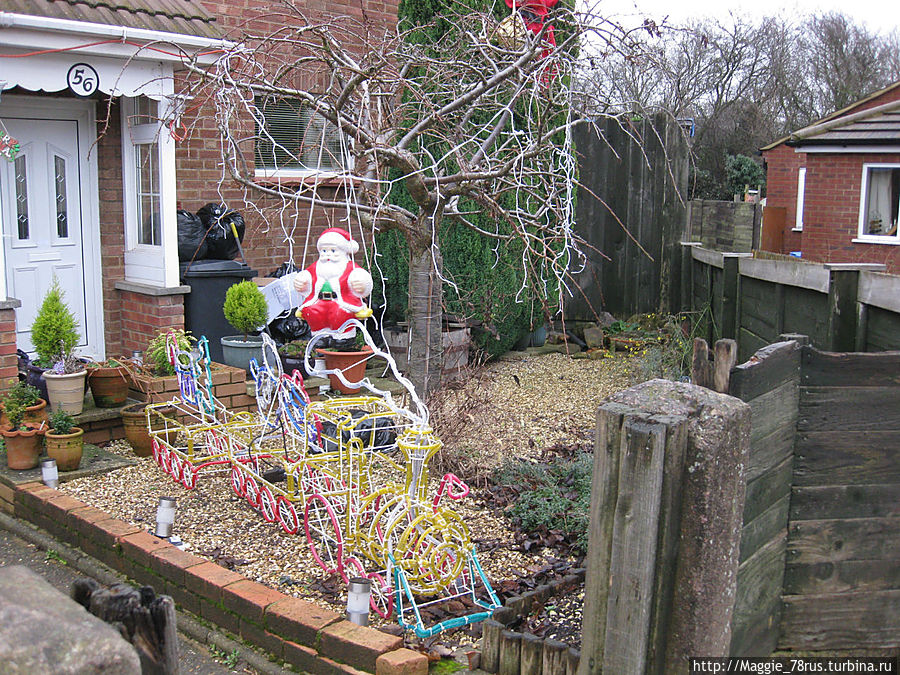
{"x": 49, "y": 226}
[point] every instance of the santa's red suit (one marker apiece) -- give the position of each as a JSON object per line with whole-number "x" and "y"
{"x": 334, "y": 286}
{"x": 534, "y": 12}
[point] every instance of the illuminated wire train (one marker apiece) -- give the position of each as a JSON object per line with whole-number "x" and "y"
{"x": 350, "y": 474}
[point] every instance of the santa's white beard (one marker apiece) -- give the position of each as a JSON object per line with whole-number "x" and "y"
{"x": 330, "y": 270}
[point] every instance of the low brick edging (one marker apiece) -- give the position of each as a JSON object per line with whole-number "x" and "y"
{"x": 292, "y": 630}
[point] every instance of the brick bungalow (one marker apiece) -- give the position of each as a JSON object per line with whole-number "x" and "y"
{"x": 833, "y": 188}
{"x": 89, "y": 88}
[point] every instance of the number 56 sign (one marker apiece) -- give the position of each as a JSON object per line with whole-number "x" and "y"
{"x": 83, "y": 79}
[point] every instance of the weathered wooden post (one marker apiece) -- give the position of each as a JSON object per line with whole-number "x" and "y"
{"x": 666, "y": 505}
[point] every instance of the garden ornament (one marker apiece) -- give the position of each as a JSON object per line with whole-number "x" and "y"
{"x": 333, "y": 287}
{"x": 309, "y": 466}
{"x": 534, "y": 12}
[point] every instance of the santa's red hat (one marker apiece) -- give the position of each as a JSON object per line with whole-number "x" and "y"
{"x": 339, "y": 238}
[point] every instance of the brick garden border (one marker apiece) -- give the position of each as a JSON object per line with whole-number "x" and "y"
{"x": 292, "y": 630}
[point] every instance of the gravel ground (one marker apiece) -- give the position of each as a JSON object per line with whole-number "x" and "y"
{"x": 514, "y": 407}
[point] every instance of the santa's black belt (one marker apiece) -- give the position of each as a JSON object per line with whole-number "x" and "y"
{"x": 327, "y": 295}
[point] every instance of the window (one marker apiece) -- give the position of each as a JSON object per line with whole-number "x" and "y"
{"x": 21, "y": 170}
{"x": 801, "y": 192}
{"x": 148, "y": 171}
{"x": 62, "y": 209}
{"x": 143, "y": 127}
{"x": 142, "y": 176}
{"x": 293, "y": 140}
{"x": 880, "y": 203}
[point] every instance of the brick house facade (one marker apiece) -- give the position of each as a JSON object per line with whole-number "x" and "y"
{"x": 135, "y": 301}
{"x": 822, "y": 180}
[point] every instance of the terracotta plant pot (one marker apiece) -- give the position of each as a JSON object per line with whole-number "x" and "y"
{"x": 109, "y": 385}
{"x": 66, "y": 449}
{"x": 34, "y": 414}
{"x": 22, "y": 447}
{"x": 134, "y": 419}
{"x": 66, "y": 392}
{"x": 351, "y": 364}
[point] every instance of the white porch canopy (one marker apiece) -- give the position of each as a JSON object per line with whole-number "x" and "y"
{"x": 116, "y": 77}
{"x": 36, "y": 54}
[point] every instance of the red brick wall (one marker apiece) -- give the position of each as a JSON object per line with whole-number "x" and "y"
{"x": 831, "y": 217}
{"x": 8, "y": 362}
{"x": 145, "y": 316}
{"x": 200, "y": 176}
{"x": 112, "y": 220}
{"x": 782, "y": 165}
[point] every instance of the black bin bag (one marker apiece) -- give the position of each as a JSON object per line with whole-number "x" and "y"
{"x": 217, "y": 220}
{"x": 191, "y": 237}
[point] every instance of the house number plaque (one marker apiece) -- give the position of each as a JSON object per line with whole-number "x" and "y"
{"x": 83, "y": 79}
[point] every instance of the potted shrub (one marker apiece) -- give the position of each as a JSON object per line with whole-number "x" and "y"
{"x": 53, "y": 324}
{"x": 109, "y": 382}
{"x": 348, "y": 356}
{"x": 54, "y": 334}
{"x": 22, "y": 439}
{"x": 64, "y": 441}
{"x": 28, "y": 396}
{"x": 246, "y": 310}
{"x": 292, "y": 357}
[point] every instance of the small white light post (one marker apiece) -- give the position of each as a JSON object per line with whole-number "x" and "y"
{"x": 165, "y": 517}
{"x": 49, "y": 473}
{"x": 358, "y": 591}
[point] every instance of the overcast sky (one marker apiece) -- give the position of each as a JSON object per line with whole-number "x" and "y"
{"x": 878, "y": 15}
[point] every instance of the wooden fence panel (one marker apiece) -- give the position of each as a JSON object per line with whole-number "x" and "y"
{"x": 769, "y": 383}
{"x": 806, "y": 311}
{"x": 882, "y": 330}
{"x": 842, "y": 587}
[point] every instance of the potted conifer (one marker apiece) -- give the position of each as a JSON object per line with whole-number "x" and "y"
{"x": 54, "y": 334}
{"x": 64, "y": 441}
{"x": 246, "y": 310}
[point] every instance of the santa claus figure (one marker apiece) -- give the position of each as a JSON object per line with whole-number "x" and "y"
{"x": 534, "y": 13}
{"x": 333, "y": 287}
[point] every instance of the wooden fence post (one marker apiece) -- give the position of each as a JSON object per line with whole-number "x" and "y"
{"x": 666, "y": 505}
{"x": 730, "y": 293}
{"x": 713, "y": 372}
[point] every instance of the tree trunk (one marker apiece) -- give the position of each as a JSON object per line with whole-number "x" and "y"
{"x": 425, "y": 317}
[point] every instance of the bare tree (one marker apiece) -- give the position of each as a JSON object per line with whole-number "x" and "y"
{"x": 479, "y": 120}
{"x": 747, "y": 82}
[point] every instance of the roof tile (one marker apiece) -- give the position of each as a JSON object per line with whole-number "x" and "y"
{"x": 170, "y": 16}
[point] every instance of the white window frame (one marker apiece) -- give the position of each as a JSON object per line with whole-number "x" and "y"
{"x": 298, "y": 174}
{"x": 154, "y": 265}
{"x": 801, "y": 196}
{"x": 862, "y": 237}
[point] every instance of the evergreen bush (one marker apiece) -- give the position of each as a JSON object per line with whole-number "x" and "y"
{"x": 158, "y": 357}
{"x": 245, "y": 307}
{"x": 61, "y": 422}
{"x": 54, "y": 332}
